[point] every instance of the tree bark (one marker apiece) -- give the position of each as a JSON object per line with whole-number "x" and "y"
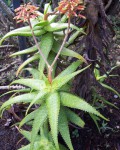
{"x": 7, "y": 10}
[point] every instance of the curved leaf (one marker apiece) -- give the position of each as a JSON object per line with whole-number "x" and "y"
{"x": 64, "y": 129}
{"x": 73, "y": 37}
{"x": 42, "y": 23}
{"x": 35, "y": 73}
{"x": 53, "y": 107}
{"x": 39, "y": 120}
{"x": 32, "y": 83}
{"x": 27, "y": 135}
{"x": 60, "y": 81}
{"x": 59, "y": 26}
{"x": 39, "y": 98}
{"x": 26, "y": 51}
{"x": 65, "y": 88}
{"x": 70, "y": 69}
{"x": 33, "y": 58}
{"x": 20, "y": 32}
{"x": 67, "y": 52}
{"x": 95, "y": 119}
{"x": 24, "y": 98}
{"x": 46, "y": 46}
{"x": 74, "y": 118}
{"x": 62, "y": 147}
{"x": 28, "y": 118}
{"x": 16, "y": 91}
{"x": 73, "y": 101}
{"x": 110, "y": 88}
{"x": 27, "y": 147}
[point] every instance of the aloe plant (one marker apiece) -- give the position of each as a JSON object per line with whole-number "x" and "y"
{"x": 101, "y": 79}
{"x": 54, "y": 105}
{"x": 49, "y": 92}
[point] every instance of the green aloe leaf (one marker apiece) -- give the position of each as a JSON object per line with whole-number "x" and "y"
{"x": 73, "y": 101}
{"x": 110, "y": 88}
{"x": 39, "y": 120}
{"x": 53, "y": 107}
{"x": 62, "y": 147}
{"x": 73, "y": 37}
{"x": 53, "y": 27}
{"x": 46, "y": 145}
{"x": 60, "y": 81}
{"x": 42, "y": 23}
{"x": 95, "y": 119}
{"x": 35, "y": 73}
{"x": 24, "y": 31}
{"x": 63, "y": 19}
{"x": 16, "y": 91}
{"x": 67, "y": 52}
{"x": 105, "y": 101}
{"x": 27, "y": 135}
{"x": 46, "y": 46}
{"x": 64, "y": 129}
{"x": 24, "y": 98}
{"x": 70, "y": 69}
{"x": 26, "y": 51}
{"x": 27, "y": 147}
{"x": 74, "y": 118}
{"x": 47, "y": 8}
{"x": 32, "y": 83}
{"x": 28, "y": 118}
{"x": 65, "y": 88}
{"x": 31, "y": 59}
{"x": 38, "y": 98}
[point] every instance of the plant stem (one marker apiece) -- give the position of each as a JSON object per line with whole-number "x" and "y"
{"x": 64, "y": 41}
{"x": 50, "y": 67}
{"x": 40, "y": 51}
{"x": 48, "y": 14}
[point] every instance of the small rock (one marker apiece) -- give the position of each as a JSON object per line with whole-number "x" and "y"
{"x": 115, "y": 96}
{"x": 118, "y": 127}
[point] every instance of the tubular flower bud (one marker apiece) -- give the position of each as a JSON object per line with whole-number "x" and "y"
{"x": 26, "y": 12}
{"x": 70, "y": 8}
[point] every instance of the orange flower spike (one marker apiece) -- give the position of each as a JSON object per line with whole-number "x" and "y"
{"x": 69, "y": 7}
{"x": 26, "y": 12}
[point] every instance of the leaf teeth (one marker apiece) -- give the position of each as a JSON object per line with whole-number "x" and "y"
{"x": 32, "y": 83}
{"x": 64, "y": 129}
{"x": 28, "y": 118}
{"x": 26, "y": 51}
{"x": 46, "y": 46}
{"x": 31, "y": 59}
{"x": 39, "y": 120}
{"x": 67, "y": 52}
{"x": 39, "y": 97}
{"x": 53, "y": 107}
{"x": 73, "y": 101}
{"x": 74, "y": 118}
{"x": 60, "y": 81}
{"x": 25, "y": 98}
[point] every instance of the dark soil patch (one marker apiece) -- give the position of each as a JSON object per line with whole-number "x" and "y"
{"x": 10, "y": 138}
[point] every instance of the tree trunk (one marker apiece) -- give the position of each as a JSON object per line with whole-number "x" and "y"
{"x": 7, "y": 10}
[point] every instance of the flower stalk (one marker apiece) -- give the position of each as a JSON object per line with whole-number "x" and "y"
{"x": 64, "y": 41}
{"x": 35, "y": 40}
{"x": 68, "y": 7}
